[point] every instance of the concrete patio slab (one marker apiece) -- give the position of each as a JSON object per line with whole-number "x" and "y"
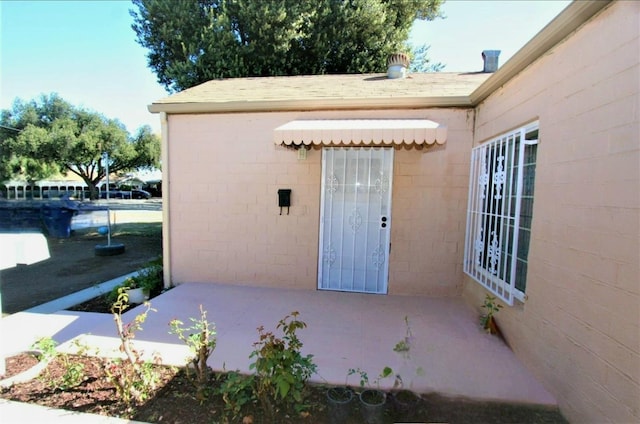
{"x": 449, "y": 353}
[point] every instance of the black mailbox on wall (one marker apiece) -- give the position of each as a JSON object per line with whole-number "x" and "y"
{"x": 284, "y": 199}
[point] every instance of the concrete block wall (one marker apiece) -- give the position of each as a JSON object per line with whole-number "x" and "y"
{"x": 579, "y": 331}
{"x": 430, "y": 190}
{"x": 225, "y": 225}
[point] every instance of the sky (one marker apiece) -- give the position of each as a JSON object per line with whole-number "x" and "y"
{"x": 86, "y": 51}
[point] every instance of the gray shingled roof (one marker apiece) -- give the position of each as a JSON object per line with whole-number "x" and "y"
{"x": 324, "y": 92}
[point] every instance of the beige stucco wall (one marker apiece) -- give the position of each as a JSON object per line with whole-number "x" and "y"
{"x": 579, "y": 328}
{"x": 225, "y": 225}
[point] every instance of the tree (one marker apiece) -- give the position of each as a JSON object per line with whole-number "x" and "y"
{"x": 193, "y": 41}
{"x": 42, "y": 138}
{"x": 421, "y": 61}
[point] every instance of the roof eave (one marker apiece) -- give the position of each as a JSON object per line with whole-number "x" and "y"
{"x": 569, "y": 20}
{"x": 307, "y": 105}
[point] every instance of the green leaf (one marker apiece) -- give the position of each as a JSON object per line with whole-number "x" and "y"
{"x": 283, "y": 386}
{"x": 386, "y": 372}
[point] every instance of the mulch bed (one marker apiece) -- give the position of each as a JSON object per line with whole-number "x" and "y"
{"x": 175, "y": 401}
{"x": 18, "y": 363}
{"x": 99, "y": 304}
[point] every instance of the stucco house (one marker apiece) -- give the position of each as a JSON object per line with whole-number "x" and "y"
{"x": 523, "y": 183}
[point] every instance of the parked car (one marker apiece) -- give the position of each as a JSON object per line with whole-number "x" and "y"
{"x": 140, "y": 194}
{"x": 126, "y": 194}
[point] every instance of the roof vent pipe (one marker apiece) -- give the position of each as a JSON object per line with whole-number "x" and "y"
{"x": 397, "y": 65}
{"x": 490, "y": 58}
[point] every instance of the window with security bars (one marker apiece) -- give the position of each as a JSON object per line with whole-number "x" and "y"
{"x": 500, "y": 211}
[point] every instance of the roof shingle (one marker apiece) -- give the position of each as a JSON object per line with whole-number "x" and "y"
{"x": 324, "y": 91}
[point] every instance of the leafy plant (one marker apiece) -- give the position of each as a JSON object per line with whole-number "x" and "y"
{"x": 237, "y": 391}
{"x": 404, "y": 345}
{"x": 73, "y": 373}
{"x": 364, "y": 377}
{"x": 134, "y": 378}
{"x": 47, "y": 347}
{"x": 200, "y": 337}
{"x": 492, "y": 308}
{"x": 386, "y": 372}
{"x": 281, "y": 371}
{"x": 149, "y": 279}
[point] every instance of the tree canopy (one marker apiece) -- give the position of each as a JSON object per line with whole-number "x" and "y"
{"x": 193, "y": 41}
{"x": 44, "y": 137}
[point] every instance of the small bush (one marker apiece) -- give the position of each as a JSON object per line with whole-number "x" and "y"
{"x": 281, "y": 371}
{"x": 73, "y": 373}
{"x": 150, "y": 279}
{"x": 200, "y": 337}
{"x": 134, "y": 378}
{"x": 237, "y": 391}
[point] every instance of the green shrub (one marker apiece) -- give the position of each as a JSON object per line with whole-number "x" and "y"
{"x": 200, "y": 337}
{"x": 150, "y": 279}
{"x": 281, "y": 371}
{"x": 134, "y": 378}
{"x": 237, "y": 391}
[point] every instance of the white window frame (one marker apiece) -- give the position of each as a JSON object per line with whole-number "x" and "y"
{"x": 493, "y": 212}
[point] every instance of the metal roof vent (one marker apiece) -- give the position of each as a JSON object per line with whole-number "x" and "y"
{"x": 397, "y": 66}
{"x": 490, "y": 58}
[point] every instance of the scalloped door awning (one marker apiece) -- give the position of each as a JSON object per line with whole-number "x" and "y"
{"x": 360, "y": 132}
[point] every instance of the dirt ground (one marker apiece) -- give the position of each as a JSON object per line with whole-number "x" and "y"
{"x": 74, "y": 266}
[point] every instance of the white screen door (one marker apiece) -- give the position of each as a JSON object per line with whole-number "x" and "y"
{"x": 355, "y": 219}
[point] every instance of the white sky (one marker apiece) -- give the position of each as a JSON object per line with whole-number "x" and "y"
{"x": 86, "y": 50}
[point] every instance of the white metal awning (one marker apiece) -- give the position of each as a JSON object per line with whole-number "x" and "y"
{"x": 360, "y": 131}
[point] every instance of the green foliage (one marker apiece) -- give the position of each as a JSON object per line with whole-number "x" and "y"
{"x": 200, "y": 337}
{"x": 47, "y": 347}
{"x": 281, "y": 371}
{"x": 149, "y": 279}
{"x": 44, "y": 137}
{"x": 237, "y": 391}
{"x": 491, "y": 307}
{"x": 133, "y": 378}
{"x": 193, "y": 41}
{"x": 404, "y": 345}
{"x": 114, "y": 294}
{"x": 364, "y": 377}
{"x": 73, "y": 373}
